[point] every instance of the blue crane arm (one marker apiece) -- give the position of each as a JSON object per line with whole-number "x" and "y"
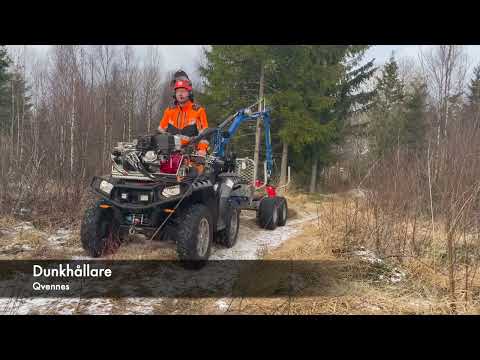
{"x": 238, "y": 119}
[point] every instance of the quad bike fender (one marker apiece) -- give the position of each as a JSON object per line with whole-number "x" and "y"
{"x": 226, "y": 186}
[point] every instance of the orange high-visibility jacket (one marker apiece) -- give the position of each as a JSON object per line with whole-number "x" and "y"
{"x": 188, "y": 120}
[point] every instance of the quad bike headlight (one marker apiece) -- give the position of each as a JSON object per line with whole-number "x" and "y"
{"x": 171, "y": 191}
{"x": 106, "y": 187}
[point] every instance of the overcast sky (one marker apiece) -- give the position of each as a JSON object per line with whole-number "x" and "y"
{"x": 187, "y": 56}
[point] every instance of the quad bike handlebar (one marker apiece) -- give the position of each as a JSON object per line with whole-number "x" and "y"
{"x": 205, "y": 133}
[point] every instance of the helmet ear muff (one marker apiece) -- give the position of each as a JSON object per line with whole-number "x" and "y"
{"x": 189, "y": 88}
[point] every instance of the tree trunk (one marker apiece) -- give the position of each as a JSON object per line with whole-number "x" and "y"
{"x": 451, "y": 261}
{"x": 104, "y": 152}
{"x": 12, "y": 124}
{"x": 129, "y": 125}
{"x": 18, "y": 130}
{"x": 258, "y": 131}
{"x": 62, "y": 149}
{"x": 72, "y": 130}
{"x": 23, "y": 102}
{"x": 313, "y": 179}
{"x": 22, "y": 127}
{"x": 284, "y": 164}
{"x": 149, "y": 117}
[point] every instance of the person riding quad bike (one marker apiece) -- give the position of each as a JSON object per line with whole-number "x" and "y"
{"x": 166, "y": 187}
{"x": 185, "y": 117}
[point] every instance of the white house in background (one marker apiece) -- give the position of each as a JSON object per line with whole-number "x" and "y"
{"x": 356, "y": 144}
{"x": 354, "y": 148}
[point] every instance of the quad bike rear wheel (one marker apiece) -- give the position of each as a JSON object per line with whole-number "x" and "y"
{"x": 99, "y": 232}
{"x": 228, "y": 236}
{"x": 194, "y": 236}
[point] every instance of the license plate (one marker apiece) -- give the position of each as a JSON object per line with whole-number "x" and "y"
{"x": 135, "y": 219}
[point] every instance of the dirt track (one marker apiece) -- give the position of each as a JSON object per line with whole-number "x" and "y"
{"x": 23, "y": 241}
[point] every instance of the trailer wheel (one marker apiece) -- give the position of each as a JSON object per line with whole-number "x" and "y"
{"x": 99, "y": 232}
{"x": 194, "y": 236}
{"x": 282, "y": 211}
{"x": 228, "y": 236}
{"x": 268, "y": 213}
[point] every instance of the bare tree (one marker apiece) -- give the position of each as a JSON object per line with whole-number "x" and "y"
{"x": 151, "y": 79}
{"x": 444, "y": 67}
{"x": 409, "y": 70}
{"x": 130, "y": 81}
{"x": 105, "y": 56}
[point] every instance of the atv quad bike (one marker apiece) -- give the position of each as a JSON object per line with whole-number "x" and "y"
{"x": 160, "y": 187}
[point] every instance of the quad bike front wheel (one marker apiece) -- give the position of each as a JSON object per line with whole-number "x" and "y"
{"x": 194, "y": 236}
{"x": 99, "y": 232}
{"x": 228, "y": 236}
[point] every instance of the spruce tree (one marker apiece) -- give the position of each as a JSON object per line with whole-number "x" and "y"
{"x": 390, "y": 88}
{"x": 388, "y": 115}
{"x": 415, "y": 117}
{"x": 472, "y": 108}
{"x": 350, "y": 98}
{"x": 474, "y": 87}
{"x": 310, "y": 88}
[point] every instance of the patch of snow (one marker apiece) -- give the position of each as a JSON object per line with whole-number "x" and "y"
{"x": 25, "y": 306}
{"x": 98, "y": 306}
{"x": 60, "y": 237}
{"x": 6, "y": 232}
{"x": 141, "y": 306}
{"x": 368, "y": 256}
{"x": 397, "y": 276}
{"x": 22, "y": 211}
{"x": 222, "y": 304}
{"x": 393, "y": 276}
{"x": 15, "y": 249}
{"x": 358, "y": 193}
{"x": 23, "y": 226}
{"x": 67, "y": 306}
{"x": 421, "y": 304}
{"x": 252, "y": 241}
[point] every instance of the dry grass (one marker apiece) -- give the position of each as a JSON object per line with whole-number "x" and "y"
{"x": 346, "y": 285}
